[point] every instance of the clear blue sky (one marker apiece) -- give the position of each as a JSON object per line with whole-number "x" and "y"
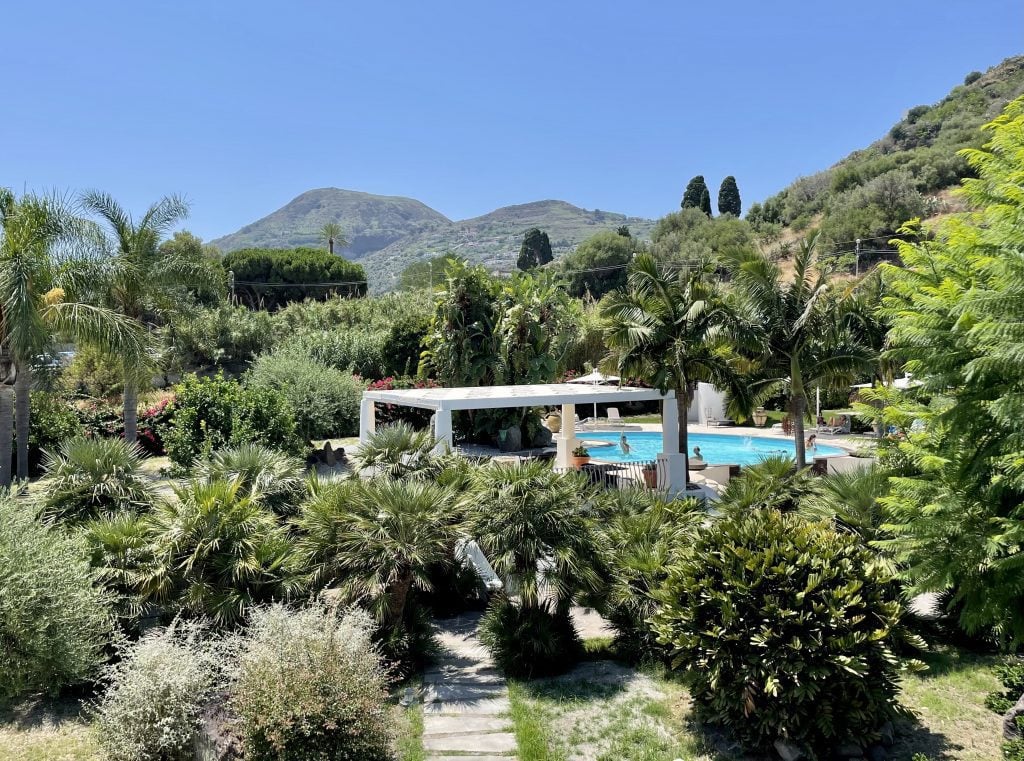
{"x": 466, "y": 106}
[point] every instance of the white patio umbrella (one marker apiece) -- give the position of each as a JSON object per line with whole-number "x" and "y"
{"x": 596, "y": 378}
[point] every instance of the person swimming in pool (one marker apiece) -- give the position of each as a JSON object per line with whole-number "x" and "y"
{"x": 812, "y": 441}
{"x": 623, "y": 444}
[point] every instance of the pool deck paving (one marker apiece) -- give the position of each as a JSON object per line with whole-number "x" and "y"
{"x": 465, "y": 699}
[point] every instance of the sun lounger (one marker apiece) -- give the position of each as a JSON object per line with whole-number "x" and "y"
{"x": 843, "y": 426}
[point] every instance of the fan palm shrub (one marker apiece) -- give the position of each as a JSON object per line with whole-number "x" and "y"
{"x": 792, "y": 329}
{"x": 121, "y": 550}
{"x": 636, "y": 536}
{"x": 667, "y": 329}
{"x": 774, "y": 482}
{"x": 535, "y": 526}
{"x": 398, "y": 451}
{"x": 377, "y": 541}
{"x": 90, "y": 478}
{"x": 272, "y": 477}
{"x": 217, "y": 552}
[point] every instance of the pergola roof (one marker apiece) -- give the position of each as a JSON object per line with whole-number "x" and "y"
{"x": 529, "y": 395}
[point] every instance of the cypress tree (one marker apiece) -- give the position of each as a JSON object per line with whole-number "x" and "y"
{"x": 535, "y": 251}
{"x": 694, "y": 189}
{"x": 705, "y": 201}
{"x": 729, "y": 197}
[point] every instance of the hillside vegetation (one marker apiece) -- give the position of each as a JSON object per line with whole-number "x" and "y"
{"x": 387, "y": 233}
{"x": 871, "y": 192}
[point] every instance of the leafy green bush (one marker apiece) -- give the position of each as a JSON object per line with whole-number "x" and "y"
{"x": 87, "y": 478}
{"x": 279, "y": 266}
{"x": 210, "y": 413}
{"x": 54, "y": 615}
{"x": 51, "y": 421}
{"x": 786, "y": 628}
{"x": 218, "y": 336}
{"x": 154, "y": 693}
{"x": 311, "y": 685}
{"x": 93, "y": 374}
{"x": 217, "y": 552}
{"x": 529, "y": 642}
{"x": 326, "y": 401}
{"x": 1011, "y": 674}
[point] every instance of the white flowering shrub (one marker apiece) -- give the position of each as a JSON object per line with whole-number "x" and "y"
{"x": 310, "y": 684}
{"x": 154, "y": 694}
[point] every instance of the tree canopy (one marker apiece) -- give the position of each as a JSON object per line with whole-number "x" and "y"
{"x": 695, "y": 188}
{"x": 729, "y": 197}
{"x": 598, "y": 265}
{"x": 275, "y": 276}
{"x": 535, "y": 251}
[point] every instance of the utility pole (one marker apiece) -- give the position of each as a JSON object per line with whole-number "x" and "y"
{"x": 231, "y": 285}
{"x": 857, "y": 266}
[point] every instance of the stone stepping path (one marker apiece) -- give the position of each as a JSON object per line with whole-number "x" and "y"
{"x": 465, "y": 699}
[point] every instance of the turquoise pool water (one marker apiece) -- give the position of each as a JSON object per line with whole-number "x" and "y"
{"x": 715, "y": 449}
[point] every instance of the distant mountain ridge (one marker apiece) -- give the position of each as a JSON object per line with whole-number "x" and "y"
{"x": 387, "y": 233}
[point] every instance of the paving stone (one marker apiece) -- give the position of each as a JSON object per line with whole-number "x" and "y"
{"x": 461, "y": 725}
{"x": 488, "y": 707}
{"x": 470, "y": 758}
{"x": 435, "y": 693}
{"x": 493, "y": 742}
{"x": 464, "y": 676}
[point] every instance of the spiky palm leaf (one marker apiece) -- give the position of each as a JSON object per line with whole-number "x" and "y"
{"x": 91, "y": 478}
{"x": 272, "y": 477}
{"x": 397, "y": 451}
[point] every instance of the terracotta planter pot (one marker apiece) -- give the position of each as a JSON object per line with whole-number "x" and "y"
{"x": 553, "y": 423}
{"x": 579, "y": 462}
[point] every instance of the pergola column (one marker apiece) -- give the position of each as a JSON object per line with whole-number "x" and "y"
{"x": 443, "y": 430}
{"x": 672, "y": 462}
{"x": 367, "y": 419}
{"x": 565, "y": 441}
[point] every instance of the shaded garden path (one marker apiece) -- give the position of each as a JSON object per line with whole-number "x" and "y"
{"x": 465, "y": 699}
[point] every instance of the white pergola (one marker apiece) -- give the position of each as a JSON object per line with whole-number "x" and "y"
{"x": 443, "y": 401}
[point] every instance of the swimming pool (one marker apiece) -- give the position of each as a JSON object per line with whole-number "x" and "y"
{"x": 715, "y": 448}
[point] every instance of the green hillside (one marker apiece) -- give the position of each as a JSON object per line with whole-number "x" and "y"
{"x": 906, "y": 174}
{"x": 387, "y": 233}
{"x": 370, "y": 222}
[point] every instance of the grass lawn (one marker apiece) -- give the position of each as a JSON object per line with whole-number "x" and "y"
{"x": 46, "y": 730}
{"x": 605, "y": 712}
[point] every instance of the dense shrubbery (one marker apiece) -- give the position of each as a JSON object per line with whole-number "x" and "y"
{"x": 273, "y": 478}
{"x": 154, "y": 693}
{"x": 93, "y": 373}
{"x": 787, "y": 629}
{"x": 54, "y": 615}
{"x": 311, "y": 685}
{"x": 277, "y": 266}
{"x": 218, "y": 336}
{"x": 210, "y": 413}
{"x": 325, "y": 400}
{"x": 51, "y": 421}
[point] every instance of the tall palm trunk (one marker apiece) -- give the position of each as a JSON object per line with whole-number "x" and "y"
{"x": 397, "y": 598}
{"x": 6, "y": 433}
{"x": 131, "y": 410}
{"x": 799, "y": 406}
{"x": 22, "y": 388}
{"x": 683, "y": 403}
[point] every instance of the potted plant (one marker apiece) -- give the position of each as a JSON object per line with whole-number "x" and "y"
{"x": 554, "y": 422}
{"x": 650, "y": 471}
{"x": 580, "y": 457}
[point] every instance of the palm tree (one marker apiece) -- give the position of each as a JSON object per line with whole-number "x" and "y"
{"x": 378, "y": 539}
{"x": 42, "y": 282}
{"x": 143, "y": 282}
{"x": 667, "y": 329}
{"x": 792, "y": 329}
{"x": 398, "y": 451}
{"x": 331, "y": 233}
